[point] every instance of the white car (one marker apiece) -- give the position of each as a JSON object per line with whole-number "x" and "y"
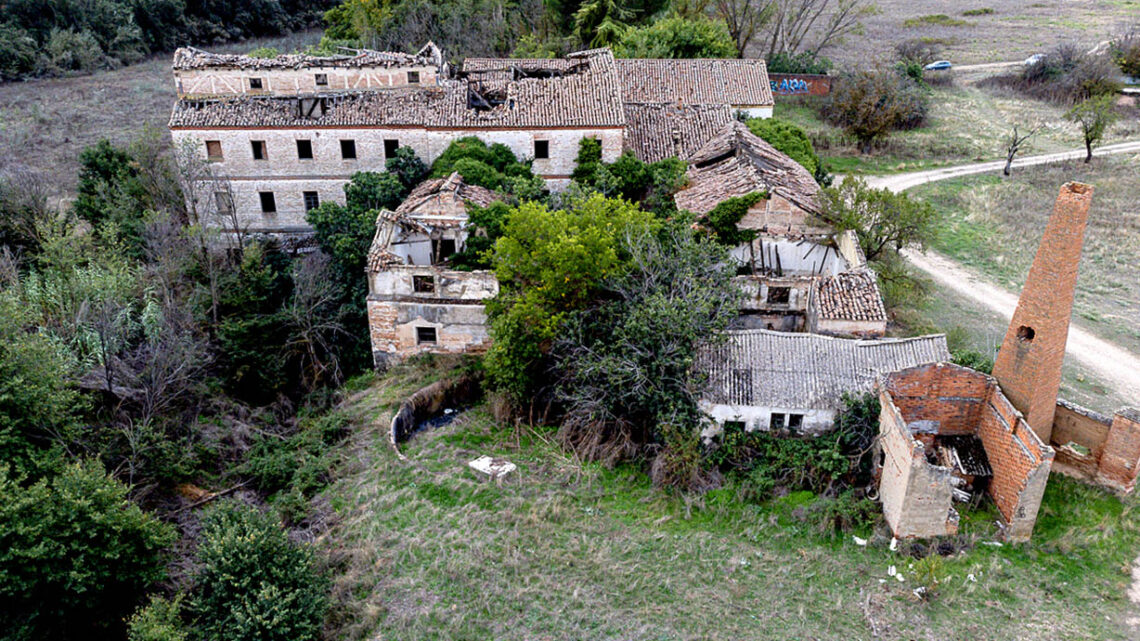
{"x": 937, "y": 66}
{"x": 1034, "y": 59}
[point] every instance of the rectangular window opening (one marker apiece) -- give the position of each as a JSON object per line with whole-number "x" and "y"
{"x": 733, "y": 427}
{"x": 312, "y": 200}
{"x": 425, "y": 335}
{"x": 541, "y": 149}
{"x": 390, "y": 147}
{"x": 305, "y": 149}
{"x": 445, "y": 249}
{"x": 255, "y": 83}
{"x": 795, "y": 421}
{"x": 322, "y": 79}
{"x": 259, "y": 150}
{"x": 413, "y": 77}
{"x": 779, "y": 295}
{"x": 268, "y": 203}
{"x": 348, "y": 149}
{"x": 777, "y": 421}
{"x": 423, "y": 284}
{"x": 214, "y": 150}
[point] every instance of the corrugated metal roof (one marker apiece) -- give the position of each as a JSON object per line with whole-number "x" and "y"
{"x": 806, "y": 371}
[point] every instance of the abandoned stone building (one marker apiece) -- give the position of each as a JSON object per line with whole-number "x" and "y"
{"x": 799, "y": 274}
{"x": 794, "y": 383}
{"x": 416, "y": 303}
{"x": 946, "y": 433}
{"x": 287, "y": 133}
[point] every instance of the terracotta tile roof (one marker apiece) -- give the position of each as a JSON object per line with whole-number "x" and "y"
{"x": 657, "y": 131}
{"x": 698, "y": 81}
{"x": 806, "y": 371}
{"x": 850, "y": 295}
{"x": 193, "y": 58}
{"x": 737, "y": 163}
{"x": 437, "y": 203}
{"x": 589, "y": 97}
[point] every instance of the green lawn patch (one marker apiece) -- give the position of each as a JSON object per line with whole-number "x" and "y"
{"x": 937, "y": 20}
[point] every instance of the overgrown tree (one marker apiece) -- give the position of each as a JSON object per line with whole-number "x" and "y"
{"x": 676, "y": 37}
{"x": 1094, "y": 116}
{"x": 870, "y": 104}
{"x": 882, "y": 219}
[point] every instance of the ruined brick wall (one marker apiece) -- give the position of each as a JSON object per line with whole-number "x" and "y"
{"x": 915, "y": 495}
{"x": 1120, "y": 457}
{"x": 292, "y": 82}
{"x": 460, "y": 328}
{"x": 1028, "y": 365}
{"x": 1073, "y": 424}
{"x": 778, "y": 215}
{"x": 1020, "y": 462}
{"x": 288, "y": 177}
{"x": 799, "y": 84}
{"x": 949, "y": 400}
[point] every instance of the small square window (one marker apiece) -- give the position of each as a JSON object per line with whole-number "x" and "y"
{"x": 268, "y": 203}
{"x": 213, "y": 150}
{"x": 224, "y": 201}
{"x": 413, "y": 77}
{"x": 322, "y": 79}
{"x": 425, "y": 335}
{"x": 305, "y": 149}
{"x": 795, "y": 421}
{"x": 779, "y": 295}
{"x": 255, "y": 83}
{"x": 777, "y": 421}
{"x": 390, "y": 147}
{"x": 348, "y": 149}
{"x": 541, "y": 149}
{"x": 423, "y": 284}
{"x": 734, "y": 427}
{"x": 312, "y": 200}
{"x": 259, "y": 150}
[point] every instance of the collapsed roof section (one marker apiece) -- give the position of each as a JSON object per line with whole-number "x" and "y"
{"x": 589, "y": 97}
{"x": 187, "y": 58}
{"x": 736, "y": 163}
{"x": 434, "y": 205}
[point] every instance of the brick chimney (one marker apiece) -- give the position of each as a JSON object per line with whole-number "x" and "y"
{"x": 1028, "y": 366}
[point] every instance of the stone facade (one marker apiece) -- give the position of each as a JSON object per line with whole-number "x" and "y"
{"x": 1029, "y": 362}
{"x": 930, "y": 415}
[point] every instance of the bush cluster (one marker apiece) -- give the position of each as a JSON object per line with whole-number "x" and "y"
{"x": 1068, "y": 74}
{"x": 869, "y": 104}
{"x": 69, "y": 36}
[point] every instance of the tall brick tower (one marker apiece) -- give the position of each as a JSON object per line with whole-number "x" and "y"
{"x": 1028, "y": 366}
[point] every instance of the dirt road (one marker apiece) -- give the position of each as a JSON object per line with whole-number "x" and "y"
{"x": 1115, "y": 365}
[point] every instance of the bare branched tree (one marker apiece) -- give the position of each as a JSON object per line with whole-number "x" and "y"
{"x": 25, "y": 209}
{"x": 1014, "y": 143}
{"x": 813, "y": 25}
{"x": 313, "y": 311}
{"x": 744, "y": 18}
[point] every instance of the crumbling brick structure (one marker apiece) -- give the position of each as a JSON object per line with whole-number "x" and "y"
{"x": 1096, "y": 448}
{"x": 947, "y": 431}
{"x": 1029, "y": 363}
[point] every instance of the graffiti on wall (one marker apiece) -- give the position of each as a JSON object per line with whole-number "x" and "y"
{"x": 790, "y": 86}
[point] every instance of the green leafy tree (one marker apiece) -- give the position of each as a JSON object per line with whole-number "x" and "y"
{"x": 627, "y": 359}
{"x": 407, "y": 167}
{"x": 548, "y": 263}
{"x": 1094, "y": 116}
{"x": 788, "y": 139}
{"x": 484, "y": 227}
{"x": 601, "y": 23}
{"x": 723, "y": 219}
{"x": 253, "y": 583}
{"x": 75, "y": 554}
{"x": 111, "y": 195}
{"x": 676, "y": 37}
{"x": 882, "y": 219}
{"x": 650, "y": 184}
{"x": 159, "y": 620}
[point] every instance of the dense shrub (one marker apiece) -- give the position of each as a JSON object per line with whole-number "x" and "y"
{"x": 1069, "y": 74}
{"x": 677, "y": 37}
{"x": 722, "y": 220}
{"x": 484, "y": 227}
{"x": 75, "y": 554}
{"x": 252, "y": 582}
{"x": 494, "y": 167}
{"x": 1126, "y": 53}
{"x": 870, "y": 104}
{"x": 805, "y": 62}
{"x": 69, "y": 36}
{"x": 159, "y": 620}
{"x": 789, "y": 139}
{"x": 650, "y": 184}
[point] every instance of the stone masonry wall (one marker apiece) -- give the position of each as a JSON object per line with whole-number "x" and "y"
{"x": 393, "y": 327}
{"x": 1120, "y": 460}
{"x": 291, "y": 82}
{"x": 1028, "y": 366}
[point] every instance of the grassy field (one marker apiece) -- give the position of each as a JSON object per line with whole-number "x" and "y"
{"x": 966, "y": 124}
{"x": 994, "y": 226}
{"x": 970, "y": 34}
{"x": 44, "y": 124}
{"x": 426, "y": 549}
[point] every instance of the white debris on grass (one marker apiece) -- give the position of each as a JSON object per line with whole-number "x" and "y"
{"x": 859, "y": 541}
{"x": 494, "y": 467}
{"x": 993, "y": 544}
{"x": 894, "y": 544}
